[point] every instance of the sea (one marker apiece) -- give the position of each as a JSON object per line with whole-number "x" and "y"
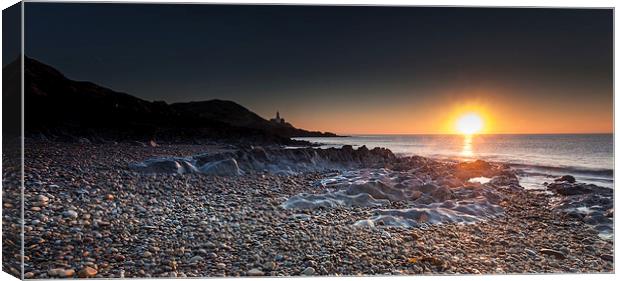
{"x": 538, "y": 158}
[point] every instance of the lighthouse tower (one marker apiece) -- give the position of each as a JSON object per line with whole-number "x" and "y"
{"x": 277, "y": 119}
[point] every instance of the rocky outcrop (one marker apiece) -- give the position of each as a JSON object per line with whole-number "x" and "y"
{"x": 227, "y": 167}
{"x": 270, "y": 160}
{"x": 478, "y": 168}
{"x": 591, "y": 203}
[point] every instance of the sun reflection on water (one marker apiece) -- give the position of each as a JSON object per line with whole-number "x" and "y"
{"x": 467, "y": 150}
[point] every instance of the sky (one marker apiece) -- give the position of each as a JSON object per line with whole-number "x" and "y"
{"x": 356, "y": 69}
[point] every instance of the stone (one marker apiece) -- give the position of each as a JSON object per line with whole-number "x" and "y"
{"x": 29, "y": 275}
{"x": 70, "y": 214}
{"x": 196, "y": 259}
{"x": 308, "y": 271}
{"x": 269, "y": 266}
{"x": 551, "y": 252}
{"x": 566, "y": 178}
{"x": 227, "y": 167}
{"x": 87, "y": 272}
{"x": 255, "y": 272}
{"x": 42, "y": 199}
{"x": 607, "y": 257}
{"x": 220, "y": 265}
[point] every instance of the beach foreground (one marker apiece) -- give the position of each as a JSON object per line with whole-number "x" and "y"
{"x": 97, "y": 210}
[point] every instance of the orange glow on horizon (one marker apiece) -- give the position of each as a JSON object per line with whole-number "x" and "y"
{"x": 501, "y": 111}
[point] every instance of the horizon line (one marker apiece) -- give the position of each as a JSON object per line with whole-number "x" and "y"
{"x": 446, "y": 134}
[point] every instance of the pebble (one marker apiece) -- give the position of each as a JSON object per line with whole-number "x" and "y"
{"x": 87, "y": 272}
{"x": 607, "y": 257}
{"x": 256, "y": 233}
{"x": 255, "y": 272}
{"x": 308, "y": 271}
{"x": 42, "y": 199}
{"x": 552, "y": 252}
{"x": 70, "y": 214}
{"x": 195, "y": 259}
{"x": 60, "y": 272}
{"x": 269, "y": 266}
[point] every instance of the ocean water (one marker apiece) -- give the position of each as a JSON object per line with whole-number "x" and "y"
{"x": 539, "y": 158}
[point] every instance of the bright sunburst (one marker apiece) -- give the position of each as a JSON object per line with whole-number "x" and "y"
{"x": 469, "y": 124}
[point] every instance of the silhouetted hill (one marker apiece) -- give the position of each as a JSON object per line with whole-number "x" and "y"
{"x": 60, "y": 107}
{"x": 234, "y": 114}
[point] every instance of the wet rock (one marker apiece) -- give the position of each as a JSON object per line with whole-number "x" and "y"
{"x": 566, "y": 178}
{"x": 227, "y": 167}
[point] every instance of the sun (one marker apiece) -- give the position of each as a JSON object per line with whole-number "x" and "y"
{"x": 469, "y": 124}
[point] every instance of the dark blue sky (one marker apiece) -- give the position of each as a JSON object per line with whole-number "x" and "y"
{"x": 279, "y": 57}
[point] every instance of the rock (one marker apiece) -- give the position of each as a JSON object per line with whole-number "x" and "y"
{"x": 607, "y": 257}
{"x": 255, "y": 272}
{"x": 42, "y": 199}
{"x": 87, "y": 272}
{"x": 70, "y": 214}
{"x": 308, "y": 271}
{"x": 220, "y": 266}
{"x": 109, "y": 197}
{"x": 227, "y": 167}
{"x": 442, "y": 193}
{"x": 29, "y": 275}
{"x": 478, "y": 168}
{"x": 269, "y": 266}
{"x": 552, "y": 252}
{"x": 196, "y": 259}
{"x": 147, "y": 254}
{"x": 60, "y": 272}
{"x": 531, "y": 253}
{"x": 566, "y": 178}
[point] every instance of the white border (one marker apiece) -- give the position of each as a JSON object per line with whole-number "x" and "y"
{"x": 505, "y": 3}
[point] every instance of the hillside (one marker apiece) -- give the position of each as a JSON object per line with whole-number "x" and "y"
{"x": 58, "y": 106}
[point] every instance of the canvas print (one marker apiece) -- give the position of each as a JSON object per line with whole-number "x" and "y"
{"x": 201, "y": 140}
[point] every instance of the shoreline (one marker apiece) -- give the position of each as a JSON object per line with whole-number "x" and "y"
{"x": 123, "y": 223}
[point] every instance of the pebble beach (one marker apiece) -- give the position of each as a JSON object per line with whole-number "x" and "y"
{"x": 88, "y": 215}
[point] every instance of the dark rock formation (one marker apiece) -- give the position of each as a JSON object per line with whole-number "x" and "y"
{"x": 566, "y": 178}
{"x": 62, "y": 109}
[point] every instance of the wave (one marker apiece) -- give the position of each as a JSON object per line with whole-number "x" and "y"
{"x": 607, "y": 173}
{"x": 533, "y": 169}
